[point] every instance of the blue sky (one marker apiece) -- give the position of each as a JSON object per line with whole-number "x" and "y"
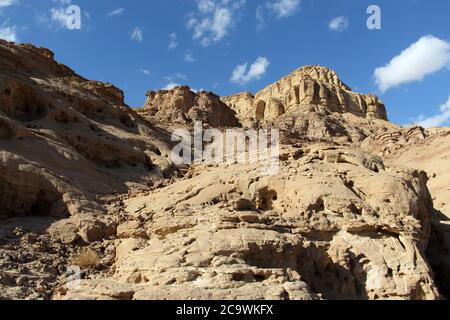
{"x": 228, "y": 46}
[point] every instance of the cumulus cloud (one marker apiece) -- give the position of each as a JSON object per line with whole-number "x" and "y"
{"x": 137, "y": 34}
{"x": 424, "y": 57}
{"x": 242, "y": 74}
{"x": 338, "y": 24}
{"x": 213, "y": 19}
{"x": 8, "y": 34}
{"x": 115, "y": 12}
{"x": 277, "y": 8}
{"x": 442, "y": 118}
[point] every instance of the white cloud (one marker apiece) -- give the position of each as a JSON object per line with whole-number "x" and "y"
{"x": 213, "y": 19}
{"x": 242, "y": 74}
{"x": 440, "y": 119}
{"x": 278, "y": 8}
{"x": 8, "y": 33}
{"x": 173, "y": 43}
{"x": 427, "y": 56}
{"x": 137, "y": 34}
{"x": 338, "y": 24}
{"x": 171, "y": 85}
{"x": 115, "y": 12}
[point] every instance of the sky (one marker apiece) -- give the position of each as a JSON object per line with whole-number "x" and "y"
{"x": 398, "y": 50}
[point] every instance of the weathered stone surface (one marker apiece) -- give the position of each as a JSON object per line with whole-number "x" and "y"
{"x": 181, "y": 105}
{"x": 342, "y": 219}
{"x": 427, "y": 150}
{"x": 65, "y": 140}
{"x": 310, "y": 85}
{"x": 312, "y": 102}
{"x": 322, "y": 214}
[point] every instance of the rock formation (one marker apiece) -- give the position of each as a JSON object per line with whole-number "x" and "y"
{"x": 66, "y": 145}
{"x": 310, "y": 85}
{"x": 180, "y": 105}
{"x": 313, "y": 102}
{"x": 427, "y": 150}
{"x": 319, "y": 229}
{"x": 87, "y": 183}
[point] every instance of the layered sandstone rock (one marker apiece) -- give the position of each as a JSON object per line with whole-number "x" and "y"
{"x": 310, "y": 85}
{"x": 86, "y": 182}
{"x": 181, "y": 105}
{"x": 312, "y": 102}
{"x": 63, "y": 137}
{"x": 320, "y": 228}
{"x": 427, "y": 150}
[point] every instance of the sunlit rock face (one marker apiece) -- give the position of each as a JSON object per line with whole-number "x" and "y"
{"x": 310, "y": 85}
{"x": 183, "y": 106}
{"x": 87, "y": 182}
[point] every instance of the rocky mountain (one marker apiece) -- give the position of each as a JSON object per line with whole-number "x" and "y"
{"x": 312, "y": 102}
{"x": 92, "y": 206}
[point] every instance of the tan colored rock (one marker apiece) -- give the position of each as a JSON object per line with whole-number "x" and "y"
{"x": 310, "y": 85}
{"x": 312, "y": 102}
{"x": 317, "y": 216}
{"x": 65, "y": 140}
{"x": 429, "y": 151}
{"x": 181, "y": 105}
{"x": 82, "y": 172}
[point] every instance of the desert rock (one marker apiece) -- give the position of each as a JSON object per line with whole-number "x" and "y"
{"x": 87, "y": 184}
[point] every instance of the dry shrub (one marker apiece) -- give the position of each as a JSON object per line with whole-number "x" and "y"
{"x": 86, "y": 259}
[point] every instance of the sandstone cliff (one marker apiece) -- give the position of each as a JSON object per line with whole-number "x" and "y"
{"x": 427, "y": 150}
{"x": 313, "y": 102}
{"x": 87, "y": 182}
{"x": 182, "y": 106}
{"x": 67, "y": 145}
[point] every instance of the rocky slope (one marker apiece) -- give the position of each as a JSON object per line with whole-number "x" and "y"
{"x": 427, "y": 150}
{"x": 67, "y": 145}
{"x": 86, "y": 182}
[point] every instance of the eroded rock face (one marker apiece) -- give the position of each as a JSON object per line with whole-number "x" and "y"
{"x": 427, "y": 150}
{"x": 310, "y": 85}
{"x": 313, "y": 102}
{"x": 81, "y": 170}
{"x": 67, "y": 145}
{"x": 181, "y": 105}
{"x": 320, "y": 228}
